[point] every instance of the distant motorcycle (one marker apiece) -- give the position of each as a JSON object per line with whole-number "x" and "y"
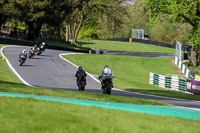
{"x": 22, "y": 59}
{"x": 41, "y": 49}
{"x": 32, "y": 52}
{"x": 81, "y": 83}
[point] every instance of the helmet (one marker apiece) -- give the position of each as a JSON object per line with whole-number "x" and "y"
{"x": 80, "y": 68}
{"x": 43, "y": 43}
{"x": 106, "y": 66}
{"x": 24, "y": 50}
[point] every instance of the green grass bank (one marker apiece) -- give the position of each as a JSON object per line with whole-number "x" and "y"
{"x": 22, "y": 115}
{"x": 112, "y": 45}
{"x": 124, "y": 46}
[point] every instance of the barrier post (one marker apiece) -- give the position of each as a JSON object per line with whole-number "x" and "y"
{"x": 130, "y": 40}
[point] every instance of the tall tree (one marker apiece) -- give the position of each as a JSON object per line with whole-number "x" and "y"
{"x": 37, "y": 12}
{"x": 84, "y": 9}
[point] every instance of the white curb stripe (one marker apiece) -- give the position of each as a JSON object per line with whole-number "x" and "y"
{"x": 76, "y": 65}
{"x": 188, "y": 108}
{"x": 11, "y": 67}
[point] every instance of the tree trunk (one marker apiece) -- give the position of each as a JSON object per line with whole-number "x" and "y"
{"x": 194, "y": 57}
{"x": 30, "y": 31}
{"x": 70, "y": 34}
{"x": 58, "y": 33}
{"x": 2, "y": 20}
{"x": 37, "y": 30}
{"x": 77, "y": 30}
{"x": 74, "y": 32}
{"x": 67, "y": 33}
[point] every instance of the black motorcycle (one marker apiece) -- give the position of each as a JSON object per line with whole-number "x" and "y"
{"x": 107, "y": 85}
{"x": 22, "y": 59}
{"x": 40, "y": 49}
{"x": 81, "y": 83}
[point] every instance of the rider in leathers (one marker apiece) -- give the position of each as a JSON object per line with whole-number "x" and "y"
{"x": 80, "y": 73}
{"x": 106, "y": 71}
{"x": 23, "y": 53}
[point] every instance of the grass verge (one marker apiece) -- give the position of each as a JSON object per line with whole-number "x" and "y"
{"x": 113, "y": 46}
{"x": 22, "y": 115}
{"x": 124, "y": 46}
{"x": 9, "y": 83}
{"x": 131, "y": 73}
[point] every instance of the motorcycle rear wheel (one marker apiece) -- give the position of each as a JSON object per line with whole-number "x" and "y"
{"x": 82, "y": 86}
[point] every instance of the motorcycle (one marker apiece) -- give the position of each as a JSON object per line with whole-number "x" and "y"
{"x": 40, "y": 49}
{"x": 107, "y": 85}
{"x": 81, "y": 83}
{"x": 22, "y": 59}
{"x": 31, "y": 52}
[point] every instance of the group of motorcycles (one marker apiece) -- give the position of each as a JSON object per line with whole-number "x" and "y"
{"x": 37, "y": 49}
{"x": 105, "y": 78}
{"x": 106, "y": 86}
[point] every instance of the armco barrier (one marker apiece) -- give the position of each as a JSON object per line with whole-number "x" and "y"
{"x": 172, "y": 83}
{"x": 96, "y": 52}
{"x": 161, "y": 44}
{"x": 185, "y": 70}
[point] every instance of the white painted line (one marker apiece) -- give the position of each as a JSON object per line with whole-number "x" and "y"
{"x": 76, "y": 65}
{"x": 188, "y": 108}
{"x": 11, "y": 67}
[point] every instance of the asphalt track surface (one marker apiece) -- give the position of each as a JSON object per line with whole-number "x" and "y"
{"x": 50, "y": 71}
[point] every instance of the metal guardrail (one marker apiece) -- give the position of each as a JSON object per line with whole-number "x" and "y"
{"x": 162, "y": 44}
{"x": 96, "y": 51}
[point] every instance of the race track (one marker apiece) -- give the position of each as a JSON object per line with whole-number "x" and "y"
{"x": 50, "y": 71}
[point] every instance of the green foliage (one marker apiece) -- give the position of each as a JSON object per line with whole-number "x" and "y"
{"x": 167, "y": 30}
{"x": 88, "y": 32}
{"x": 35, "y": 13}
{"x": 104, "y": 19}
{"x": 89, "y": 27}
{"x": 186, "y": 10}
{"x": 3, "y": 15}
{"x": 195, "y": 39}
{"x": 136, "y": 18}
